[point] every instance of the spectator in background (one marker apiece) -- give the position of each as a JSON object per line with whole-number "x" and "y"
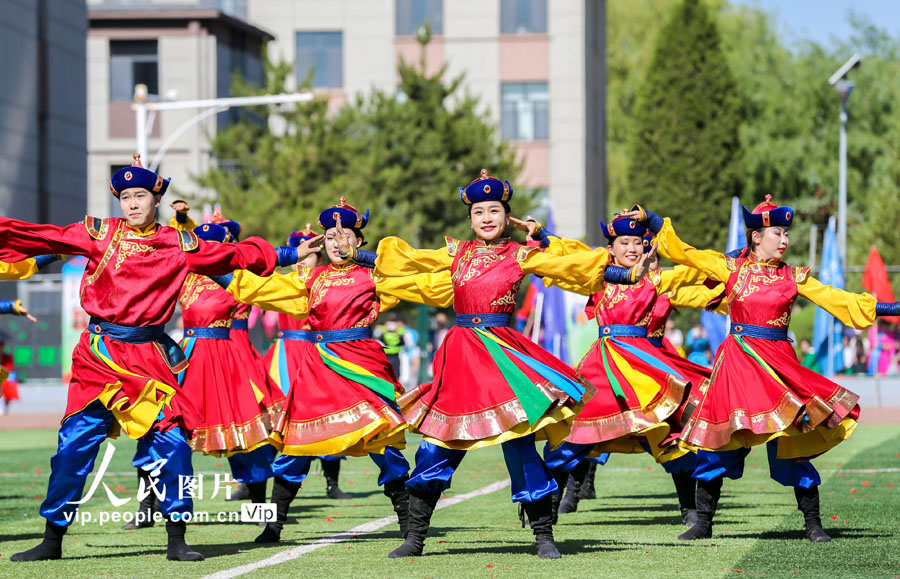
{"x": 675, "y": 337}
{"x": 410, "y": 358}
{"x": 808, "y": 356}
{"x": 8, "y": 378}
{"x": 391, "y": 336}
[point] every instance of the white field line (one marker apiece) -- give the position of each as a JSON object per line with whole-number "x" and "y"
{"x": 371, "y": 526}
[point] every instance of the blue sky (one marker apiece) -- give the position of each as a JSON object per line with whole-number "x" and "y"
{"x": 822, "y": 20}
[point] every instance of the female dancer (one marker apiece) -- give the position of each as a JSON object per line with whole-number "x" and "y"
{"x": 344, "y": 405}
{"x": 237, "y": 405}
{"x": 641, "y": 395}
{"x": 491, "y": 385}
{"x": 797, "y": 413}
{"x": 282, "y": 359}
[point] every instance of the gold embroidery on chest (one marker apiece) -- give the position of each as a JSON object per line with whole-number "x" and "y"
{"x": 196, "y": 285}
{"x": 780, "y": 322}
{"x": 327, "y": 281}
{"x": 104, "y": 261}
{"x": 751, "y": 288}
{"x": 619, "y": 295}
{"x": 128, "y": 248}
{"x": 474, "y": 267}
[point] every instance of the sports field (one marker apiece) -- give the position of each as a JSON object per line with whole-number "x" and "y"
{"x": 628, "y": 531}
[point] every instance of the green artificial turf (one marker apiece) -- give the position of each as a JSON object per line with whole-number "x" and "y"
{"x": 628, "y": 531}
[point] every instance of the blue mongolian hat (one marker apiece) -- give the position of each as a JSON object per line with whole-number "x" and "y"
{"x": 485, "y": 188}
{"x": 623, "y": 226}
{"x": 767, "y": 214}
{"x": 233, "y": 227}
{"x": 211, "y": 232}
{"x": 137, "y": 176}
{"x": 298, "y": 237}
{"x": 648, "y": 242}
{"x": 348, "y": 216}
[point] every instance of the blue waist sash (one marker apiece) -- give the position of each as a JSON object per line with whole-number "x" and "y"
{"x": 751, "y": 331}
{"x": 240, "y": 325}
{"x": 622, "y": 331}
{"x": 205, "y": 333}
{"x": 657, "y": 341}
{"x": 482, "y": 320}
{"x": 140, "y": 335}
{"x": 327, "y": 336}
{"x": 298, "y": 335}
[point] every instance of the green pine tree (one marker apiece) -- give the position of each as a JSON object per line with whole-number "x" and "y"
{"x": 686, "y": 154}
{"x": 403, "y": 154}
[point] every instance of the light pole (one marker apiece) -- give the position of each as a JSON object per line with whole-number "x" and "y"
{"x": 145, "y": 113}
{"x": 844, "y": 88}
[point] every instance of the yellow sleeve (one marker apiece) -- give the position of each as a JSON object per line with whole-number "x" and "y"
{"x": 398, "y": 258}
{"x": 854, "y": 310}
{"x": 284, "y": 293}
{"x": 711, "y": 263}
{"x": 188, "y": 225}
{"x": 695, "y": 296}
{"x": 432, "y": 289}
{"x": 569, "y": 287}
{"x": 564, "y": 246}
{"x": 679, "y": 276}
{"x": 19, "y": 270}
{"x": 583, "y": 269}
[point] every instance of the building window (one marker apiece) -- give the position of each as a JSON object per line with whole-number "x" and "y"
{"x": 524, "y": 111}
{"x": 132, "y": 62}
{"x": 413, "y": 14}
{"x": 523, "y": 16}
{"x": 323, "y": 54}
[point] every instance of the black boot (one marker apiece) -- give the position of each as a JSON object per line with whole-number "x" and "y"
{"x": 707, "y": 499}
{"x": 177, "y": 549}
{"x": 49, "y": 548}
{"x": 283, "y": 492}
{"x": 398, "y": 493}
{"x": 808, "y": 503}
{"x": 556, "y": 498}
{"x": 144, "y": 517}
{"x": 577, "y": 475}
{"x": 257, "y": 492}
{"x": 241, "y": 494}
{"x": 421, "y": 507}
{"x": 686, "y": 489}
{"x": 332, "y": 470}
{"x": 587, "y": 487}
{"x": 540, "y": 516}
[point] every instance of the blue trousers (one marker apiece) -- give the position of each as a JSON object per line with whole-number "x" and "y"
{"x": 79, "y": 441}
{"x": 567, "y": 456}
{"x": 392, "y": 465}
{"x": 530, "y": 477}
{"x": 254, "y": 466}
{"x": 730, "y": 463}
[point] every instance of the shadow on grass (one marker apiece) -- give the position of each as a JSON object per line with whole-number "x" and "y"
{"x": 800, "y": 534}
{"x": 565, "y": 546}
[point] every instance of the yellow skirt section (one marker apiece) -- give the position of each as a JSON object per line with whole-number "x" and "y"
{"x": 371, "y": 438}
{"x": 792, "y": 442}
{"x": 553, "y": 427}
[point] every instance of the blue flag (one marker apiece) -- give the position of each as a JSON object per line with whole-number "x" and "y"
{"x": 553, "y": 313}
{"x": 828, "y": 332}
{"x": 716, "y": 325}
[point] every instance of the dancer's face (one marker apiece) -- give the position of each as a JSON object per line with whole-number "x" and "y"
{"x": 331, "y": 245}
{"x": 139, "y": 206}
{"x": 311, "y": 260}
{"x": 488, "y": 219}
{"x": 626, "y": 249}
{"x": 771, "y": 242}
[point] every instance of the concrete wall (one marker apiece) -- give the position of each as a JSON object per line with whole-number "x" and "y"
{"x": 43, "y": 148}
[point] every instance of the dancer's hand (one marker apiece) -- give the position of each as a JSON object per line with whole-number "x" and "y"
{"x": 310, "y": 246}
{"x": 642, "y": 267}
{"x": 530, "y": 226}
{"x": 342, "y": 240}
{"x": 180, "y": 205}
